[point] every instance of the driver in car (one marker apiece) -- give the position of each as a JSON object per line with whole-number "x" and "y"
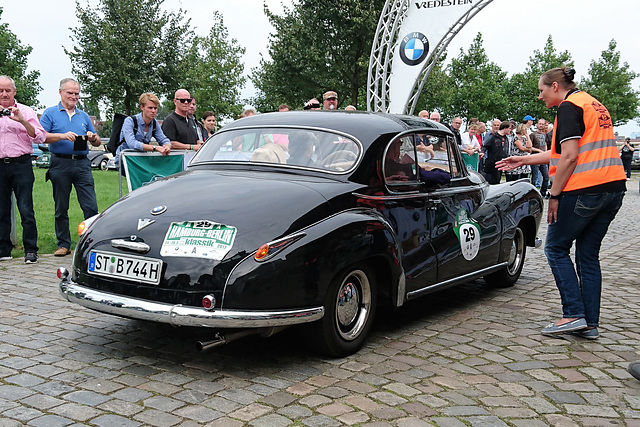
{"x": 402, "y": 168}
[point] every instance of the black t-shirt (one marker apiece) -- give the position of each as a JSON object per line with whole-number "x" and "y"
{"x": 570, "y": 124}
{"x": 181, "y": 129}
{"x": 626, "y": 152}
{"x": 495, "y": 146}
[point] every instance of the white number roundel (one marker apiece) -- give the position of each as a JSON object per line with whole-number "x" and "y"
{"x": 469, "y": 240}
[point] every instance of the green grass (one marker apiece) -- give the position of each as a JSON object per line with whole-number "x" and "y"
{"x": 106, "y": 185}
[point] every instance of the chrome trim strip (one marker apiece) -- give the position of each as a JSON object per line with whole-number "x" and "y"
{"x": 139, "y": 247}
{"x": 179, "y": 315}
{"x": 454, "y": 281}
{"x": 412, "y": 195}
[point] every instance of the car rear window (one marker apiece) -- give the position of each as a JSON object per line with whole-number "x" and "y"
{"x": 299, "y": 148}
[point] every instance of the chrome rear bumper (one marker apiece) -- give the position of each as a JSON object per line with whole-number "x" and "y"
{"x": 179, "y": 315}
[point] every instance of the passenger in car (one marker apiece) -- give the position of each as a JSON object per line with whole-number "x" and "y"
{"x": 301, "y": 149}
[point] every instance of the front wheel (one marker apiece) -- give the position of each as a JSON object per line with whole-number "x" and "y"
{"x": 509, "y": 275}
{"x": 350, "y": 307}
{"x": 103, "y": 164}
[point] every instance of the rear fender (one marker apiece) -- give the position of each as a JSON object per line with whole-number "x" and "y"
{"x": 299, "y": 275}
{"x": 521, "y": 206}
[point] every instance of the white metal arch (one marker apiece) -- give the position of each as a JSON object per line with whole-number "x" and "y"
{"x": 387, "y": 34}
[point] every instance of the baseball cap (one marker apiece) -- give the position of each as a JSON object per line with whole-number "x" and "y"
{"x": 528, "y": 117}
{"x": 329, "y": 94}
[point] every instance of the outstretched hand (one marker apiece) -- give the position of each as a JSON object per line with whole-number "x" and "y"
{"x": 509, "y": 163}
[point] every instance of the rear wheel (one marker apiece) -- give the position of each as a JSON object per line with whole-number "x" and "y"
{"x": 350, "y": 307}
{"x": 103, "y": 164}
{"x": 509, "y": 275}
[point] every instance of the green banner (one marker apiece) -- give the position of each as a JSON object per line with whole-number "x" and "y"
{"x": 471, "y": 162}
{"x": 143, "y": 168}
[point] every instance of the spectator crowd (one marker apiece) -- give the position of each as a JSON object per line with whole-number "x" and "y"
{"x": 69, "y": 131}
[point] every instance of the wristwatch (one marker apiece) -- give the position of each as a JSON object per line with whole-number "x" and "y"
{"x": 552, "y": 197}
{"x": 153, "y": 148}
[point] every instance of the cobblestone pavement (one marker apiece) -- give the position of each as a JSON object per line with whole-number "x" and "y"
{"x": 465, "y": 356}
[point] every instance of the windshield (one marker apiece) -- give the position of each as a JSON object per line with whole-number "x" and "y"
{"x": 306, "y": 148}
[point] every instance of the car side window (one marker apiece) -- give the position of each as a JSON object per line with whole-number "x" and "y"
{"x": 440, "y": 153}
{"x": 399, "y": 165}
{"x": 420, "y": 162}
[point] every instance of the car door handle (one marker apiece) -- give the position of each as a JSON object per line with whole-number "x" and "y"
{"x": 434, "y": 203}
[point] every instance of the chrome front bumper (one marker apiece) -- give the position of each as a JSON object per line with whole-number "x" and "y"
{"x": 179, "y": 315}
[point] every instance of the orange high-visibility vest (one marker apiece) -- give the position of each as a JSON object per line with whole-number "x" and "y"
{"x": 598, "y": 157}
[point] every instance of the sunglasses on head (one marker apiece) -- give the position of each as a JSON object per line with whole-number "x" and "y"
{"x": 184, "y": 100}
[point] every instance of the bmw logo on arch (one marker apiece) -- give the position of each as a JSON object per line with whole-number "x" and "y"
{"x": 414, "y": 48}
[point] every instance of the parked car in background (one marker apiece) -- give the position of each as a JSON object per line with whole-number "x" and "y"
{"x": 112, "y": 165}
{"x": 99, "y": 157}
{"x": 312, "y": 219}
{"x": 37, "y": 152}
{"x": 44, "y": 160}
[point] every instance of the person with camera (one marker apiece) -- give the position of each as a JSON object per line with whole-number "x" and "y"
{"x": 626, "y": 155}
{"x": 69, "y": 130}
{"x": 312, "y": 104}
{"x": 19, "y": 129}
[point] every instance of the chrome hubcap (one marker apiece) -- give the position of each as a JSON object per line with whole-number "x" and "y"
{"x": 353, "y": 305}
{"x": 515, "y": 255}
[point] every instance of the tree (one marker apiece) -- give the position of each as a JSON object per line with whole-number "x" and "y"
{"x": 436, "y": 92}
{"x": 215, "y": 76}
{"x": 610, "y": 83}
{"x": 523, "y": 87}
{"x": 478, "y": 85}
{"x": 124, "y": 48}
{"x": 318, "y": 46}
{"x": 14, "y": 64}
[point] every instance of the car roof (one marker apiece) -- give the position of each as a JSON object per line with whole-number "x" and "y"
{"x": 365, "y": 126}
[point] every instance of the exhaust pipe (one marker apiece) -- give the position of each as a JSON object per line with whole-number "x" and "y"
{"x": 220, "y": 339}
{"x": 217, "y": 341}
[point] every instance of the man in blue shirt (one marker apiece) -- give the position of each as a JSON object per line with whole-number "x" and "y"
{"x": 64, "y": 124}
{"x": 147, "y": 127}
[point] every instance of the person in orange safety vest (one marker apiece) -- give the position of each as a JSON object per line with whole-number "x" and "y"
{"x": 586, "y": 194}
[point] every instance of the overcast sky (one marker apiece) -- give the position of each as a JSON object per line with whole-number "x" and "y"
{"x": 511, "y": 30}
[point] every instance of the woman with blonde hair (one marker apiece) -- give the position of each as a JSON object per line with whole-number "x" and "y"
{"x": 521, "y": 146}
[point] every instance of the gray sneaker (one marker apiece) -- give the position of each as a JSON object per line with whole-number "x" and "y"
{"x": 30, "y": 258}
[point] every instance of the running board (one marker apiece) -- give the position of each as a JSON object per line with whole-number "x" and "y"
{"x": 455, "y": 281}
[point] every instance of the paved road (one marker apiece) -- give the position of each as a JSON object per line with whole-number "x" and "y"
{"x": 465, "y": 356}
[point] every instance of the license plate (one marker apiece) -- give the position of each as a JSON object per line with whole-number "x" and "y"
{"x": 146, "y": 270}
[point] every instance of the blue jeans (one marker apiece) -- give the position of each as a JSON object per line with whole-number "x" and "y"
{"x": 540, "y": 177}
{"x": 18, "y": 178}
{"x": 64, "y": 173}
{"x": 584, "y": 219}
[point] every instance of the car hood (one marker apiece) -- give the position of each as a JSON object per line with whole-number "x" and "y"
{"x": 261, "y": 206}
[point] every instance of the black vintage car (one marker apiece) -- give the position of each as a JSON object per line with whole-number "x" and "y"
{"x": 304, "y": 218}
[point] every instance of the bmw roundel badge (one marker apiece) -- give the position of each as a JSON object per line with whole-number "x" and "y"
{"x": 158, "y": 210}
{"x": 414, "y": 48}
